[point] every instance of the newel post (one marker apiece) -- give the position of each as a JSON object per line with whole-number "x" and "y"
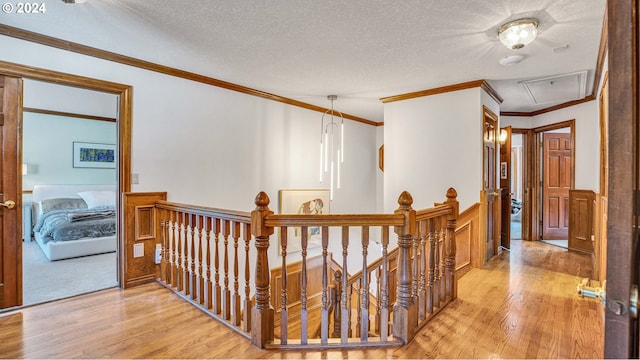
{"x": 404, "y": 311}
{"x": 450, "y": 258}
{"x": 262, "y": 313}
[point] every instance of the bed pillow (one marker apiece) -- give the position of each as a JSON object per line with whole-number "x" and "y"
{"x": 98, "y": 198}
{"x": 61, "y": 204}
{"x": 45, "y": 206}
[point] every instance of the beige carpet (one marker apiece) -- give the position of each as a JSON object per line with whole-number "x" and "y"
{"x": 44, "y": 280}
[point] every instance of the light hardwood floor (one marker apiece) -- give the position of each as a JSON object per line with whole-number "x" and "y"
{"x": 523, "y": 304}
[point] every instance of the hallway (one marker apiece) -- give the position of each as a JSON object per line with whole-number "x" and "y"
{"x": 523, "y": 308}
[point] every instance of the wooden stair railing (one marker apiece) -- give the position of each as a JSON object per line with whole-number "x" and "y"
{"x": 198, "y": 264}
{"x": 427, "y": 274}
{"x": 204, "y": 250}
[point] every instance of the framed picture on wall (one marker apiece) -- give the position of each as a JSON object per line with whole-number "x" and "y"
{"x": 503, "y": 170}
{"x": 94, "y": 155}
{"x": 310, "y": 202}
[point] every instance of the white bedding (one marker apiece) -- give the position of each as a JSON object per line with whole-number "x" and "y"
{"x": 54, "y": 250}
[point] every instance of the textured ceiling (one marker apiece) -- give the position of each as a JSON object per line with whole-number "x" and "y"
{"x": 361, "y": 50}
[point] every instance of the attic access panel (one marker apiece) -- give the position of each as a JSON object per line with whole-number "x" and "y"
{"x": 558, "y": 88}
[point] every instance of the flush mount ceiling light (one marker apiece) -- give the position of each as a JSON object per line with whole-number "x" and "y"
{"x": 518, "y": 33}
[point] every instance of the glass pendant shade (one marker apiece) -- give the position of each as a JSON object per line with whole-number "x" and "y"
{"x": 519, "y": 33}
{"x": 331, "y": 146}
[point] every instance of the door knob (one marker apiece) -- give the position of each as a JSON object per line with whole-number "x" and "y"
{"x": 9, "y": 204}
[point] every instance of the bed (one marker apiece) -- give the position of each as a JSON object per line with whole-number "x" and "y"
{"x": 74, "y": 220}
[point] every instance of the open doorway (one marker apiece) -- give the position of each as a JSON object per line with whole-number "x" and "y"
{"x": 554, "y": 176}
{"x": 69, "y": 152}
{"x": 517, "y": 184}
{"x": 555, "y": 170}
{"x": 16, "y": 72}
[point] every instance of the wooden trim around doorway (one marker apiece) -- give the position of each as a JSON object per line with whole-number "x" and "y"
{"x": 124, "y": 124}
{"x": 536, "y": 221}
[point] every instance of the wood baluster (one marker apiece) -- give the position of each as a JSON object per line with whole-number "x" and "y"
{"x": 187, "y": 256}
{"x": 193, "y": 280}
{"x": 415, "y": 262}
{"x": 452, "y": 282}
{"x": 451, "y": 260}
{"x": 207, "y": 263}
{"x": 378, "y": 297}
{"x": 443, "y": 234}
{"x": 304, "y": 316}
{"x": 404, "y": 315}
{"x": 358, "y": 306}
{"x": 171, "y": 238}
{"x": 324, "y": 334}
{"x": 163, "y": 241}
{"x": 182, "y": 286}
{"x": 344, "y": 326}
{"x": 422, "y": 294}
{"x": 175, "y": 220}
{"x": 436, "y": 266}
{"x": 337, "y": 307}
{"x": 384, "y": 307}
{"x": 236, "y": 275}
{"x": 201, "y": 267}
{"x": 284, "y": 313}
{"x": 217, "y": 288}
{"x": 349, "y": 310}
{"x": 364, "y": 323}
{"x": 226, "y": 298}
{"x": 247, "y": 279}
{"x": 262, "y": 312}
{"x": 431, "y": 282}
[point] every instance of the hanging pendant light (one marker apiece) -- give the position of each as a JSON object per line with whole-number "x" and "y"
{"x": 331, "y": 146}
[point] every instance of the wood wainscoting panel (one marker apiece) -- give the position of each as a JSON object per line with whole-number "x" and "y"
{"x": 468, "y": 249}
{"x": 140, "y": 229}
{"x": 581, "y": 218}
{"x": 145, "y": 219}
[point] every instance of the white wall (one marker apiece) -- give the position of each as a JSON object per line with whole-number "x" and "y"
{"x": 214, "y": 147}
{"x": 48, "y": 149}
{"x": 47, "y": 140}
{"x": 433, "y": 143}
{"x": 50, "y": 96}
{"x": 379, "y": 173}
{"x": 587, "y": 128}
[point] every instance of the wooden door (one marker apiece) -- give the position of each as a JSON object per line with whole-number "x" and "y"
{"x": 10, "y": 188}
{"x": 490, "y": 122}
{"x": 623, "y": 261}
{"x": 505, "y": 188}
{"x": 581, "y": 220}
{"x": 556, "y": 161}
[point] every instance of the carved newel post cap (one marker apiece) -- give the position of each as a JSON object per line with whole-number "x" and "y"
{"x": 452, "y": 193}
{"x": 405, "y": 200}
{"x": 262, "y": 199}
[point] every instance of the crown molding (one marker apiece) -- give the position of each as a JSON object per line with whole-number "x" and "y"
{"x": 445, "y": 89}
{"x": 549, "y": 109}
{"x": 46, "y": 40}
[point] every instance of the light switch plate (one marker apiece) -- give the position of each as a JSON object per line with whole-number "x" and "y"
{"x": 138, "y": 250}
